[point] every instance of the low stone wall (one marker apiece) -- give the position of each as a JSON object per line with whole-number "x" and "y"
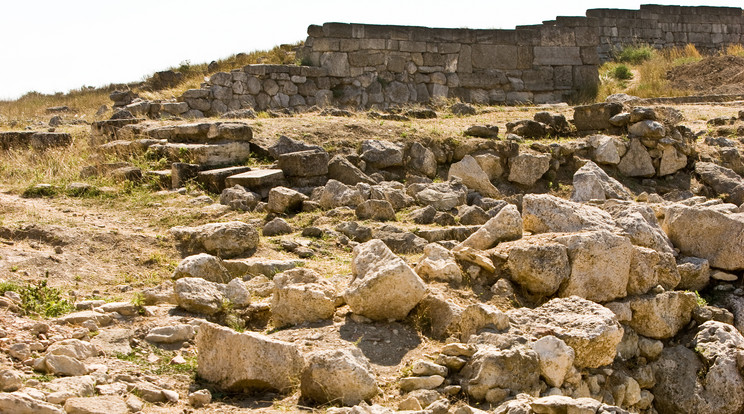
{"x": 708, "y": 28}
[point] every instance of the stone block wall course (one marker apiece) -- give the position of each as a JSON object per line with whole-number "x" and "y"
{"x": 379, "y": 66}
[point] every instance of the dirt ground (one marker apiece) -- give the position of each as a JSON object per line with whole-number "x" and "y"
{"x": 711, "y": 76}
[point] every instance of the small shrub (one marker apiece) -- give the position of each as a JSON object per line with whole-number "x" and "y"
{"x": 622, "y": 73}
{"x": 635, "y": 55}
{"x": 42, "y": 300}
{"x": 735, "y": 50}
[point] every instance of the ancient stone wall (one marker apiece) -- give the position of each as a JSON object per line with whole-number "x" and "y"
{"x": 375, "y": 66}
{"x": 400, "y": 64}
{"x": 708, "y": 28}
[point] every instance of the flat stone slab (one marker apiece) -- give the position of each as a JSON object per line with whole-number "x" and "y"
{"x": 458, "y": 233}
{"x": 104, "y": 131}
{"x": 35, "y": 140}
{"x": 214, "y": 155}
{"x": 214, "y": 180}
{"x": 202, "y": 132}
{"x": 256, "y": 178}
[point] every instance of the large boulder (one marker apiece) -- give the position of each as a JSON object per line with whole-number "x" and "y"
{"x": 246, "y": 361}
{"x": 639, "y": 222}
{"x": 383, "y": 287}
{"x": 342, "y": 376}
{"x": 600, "y": 265}
{"x": 501, "y": 372}
{"x": 421, "y": 160}
{"x": 225, "y": 240}
{"x": 661, "y": 316}
{"x": 96, "y": 405}
{"x": 301, "y": 295}
{"x": 708, "y": 234}
{"x": 504, "y": 226}
{"x": 309, "y": 163}
{"x": 20, "y": 403}
{"x": 592, "y": 183}
{"x": 694, "y": 273}
{"x": 204, "y": 266}
{"x": 590, "y": 329}
{"x": 596, "y": 116}
{"x": 706, "y": 380}
{"x": 527, "y": 168}
{"x": 473, "y": 176}
{"x": 544, "y": 213}
{"x": 377, "y": 210}
{"x": 537, "y": 263}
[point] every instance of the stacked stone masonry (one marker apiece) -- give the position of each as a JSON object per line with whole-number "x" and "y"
{"x": 708, "y": 28}
{"x": 375, "y": 66}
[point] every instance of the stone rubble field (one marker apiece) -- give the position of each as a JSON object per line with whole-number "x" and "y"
{"x": 573, "y": 260}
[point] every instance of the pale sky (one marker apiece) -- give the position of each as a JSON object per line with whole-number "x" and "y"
{"x": 54, "y": 45}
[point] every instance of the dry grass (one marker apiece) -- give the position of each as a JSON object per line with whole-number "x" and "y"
{"x": 652, "y": 71}
{"x": 85, "y": 102}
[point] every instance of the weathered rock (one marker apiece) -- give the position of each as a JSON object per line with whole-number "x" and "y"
{"x": 96, "y": 405}
{"x": 505, "y": 226}
{"x": 544, "y": 213}
{"x": 225, "y": 240}
{"x": 276, "y": 227}
{"x": 706, "y": 233}
{"x": 341, "y": 169}
{"x": 10, "y": 380}
{"x": 301, "y": 295}
{"x": 515, "y": 369}
{"x": 637, "y": 162}
{"x": 78, "y": 318}
{"x": 64, "y": 365}
{"x": 377, "y": 210}
{"x": 424, "y": 215}
{"x": 238, "y": 198}
{"x": 286, "y": 145}
{"x": 694, "y": 273}
{"x": 309, "y": 163}
{"x": 170, "y": 334}
{"x": 337, "y": 194}
{"x": 592, "y": 183}
{"x": 443, "y": 196}
{"x": 600, "y": 265}
{"x": 556, "y": 359}
{"x": 341, "y": 376}
{"x": 19, "y": 403}
{"x": 438, "y": 263}
{"x": 672, "y": 160}
{"x": 422, "y": 160}
{"x": 203, "y": 266}
{"x": 285, "y": 200}
{"x": 483, "y": 131}
{"x": 473, "y": 176}
{"x": 703, "y": 381}
{"x": 538, "y": 263}
{"x": 646, "y": 129}
{"x": 527, "y": 128}
{"x": 476, "y": 317}
{"x": 200, "y": 398}
{"x": 383, "y": 286}
{"x": 429, "y": 382}
{"x": 640, "y": 224}
{"x": 607, "y": 150}
{"x": 198, "y": 295}
{"x": 590, "y": 329}
{"x": 381, "y": 154}
{"x": 643, "y": 276}
{"x": 596, "y": 116}
{"x": 527, "y": 168}
{"x": 722, "y": 180}
{"x": 246, "y": 361}
{"x": 661, "y": 316}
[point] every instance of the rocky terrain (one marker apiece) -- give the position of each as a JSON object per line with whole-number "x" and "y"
{"x": 453, "y": 259}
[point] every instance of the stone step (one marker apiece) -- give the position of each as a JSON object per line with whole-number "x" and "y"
{"x": 259, "y": 181}
{"x": 214, "y": 180}
{"x": 32, "y": 139}
{"x": 125, "y": 147}
{"x": 207, "y": 155}
{"x": 162, "y": 177}
{"x": 108, "y": 130}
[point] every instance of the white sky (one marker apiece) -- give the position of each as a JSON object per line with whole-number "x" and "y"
{"x": 56, "y": 45}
